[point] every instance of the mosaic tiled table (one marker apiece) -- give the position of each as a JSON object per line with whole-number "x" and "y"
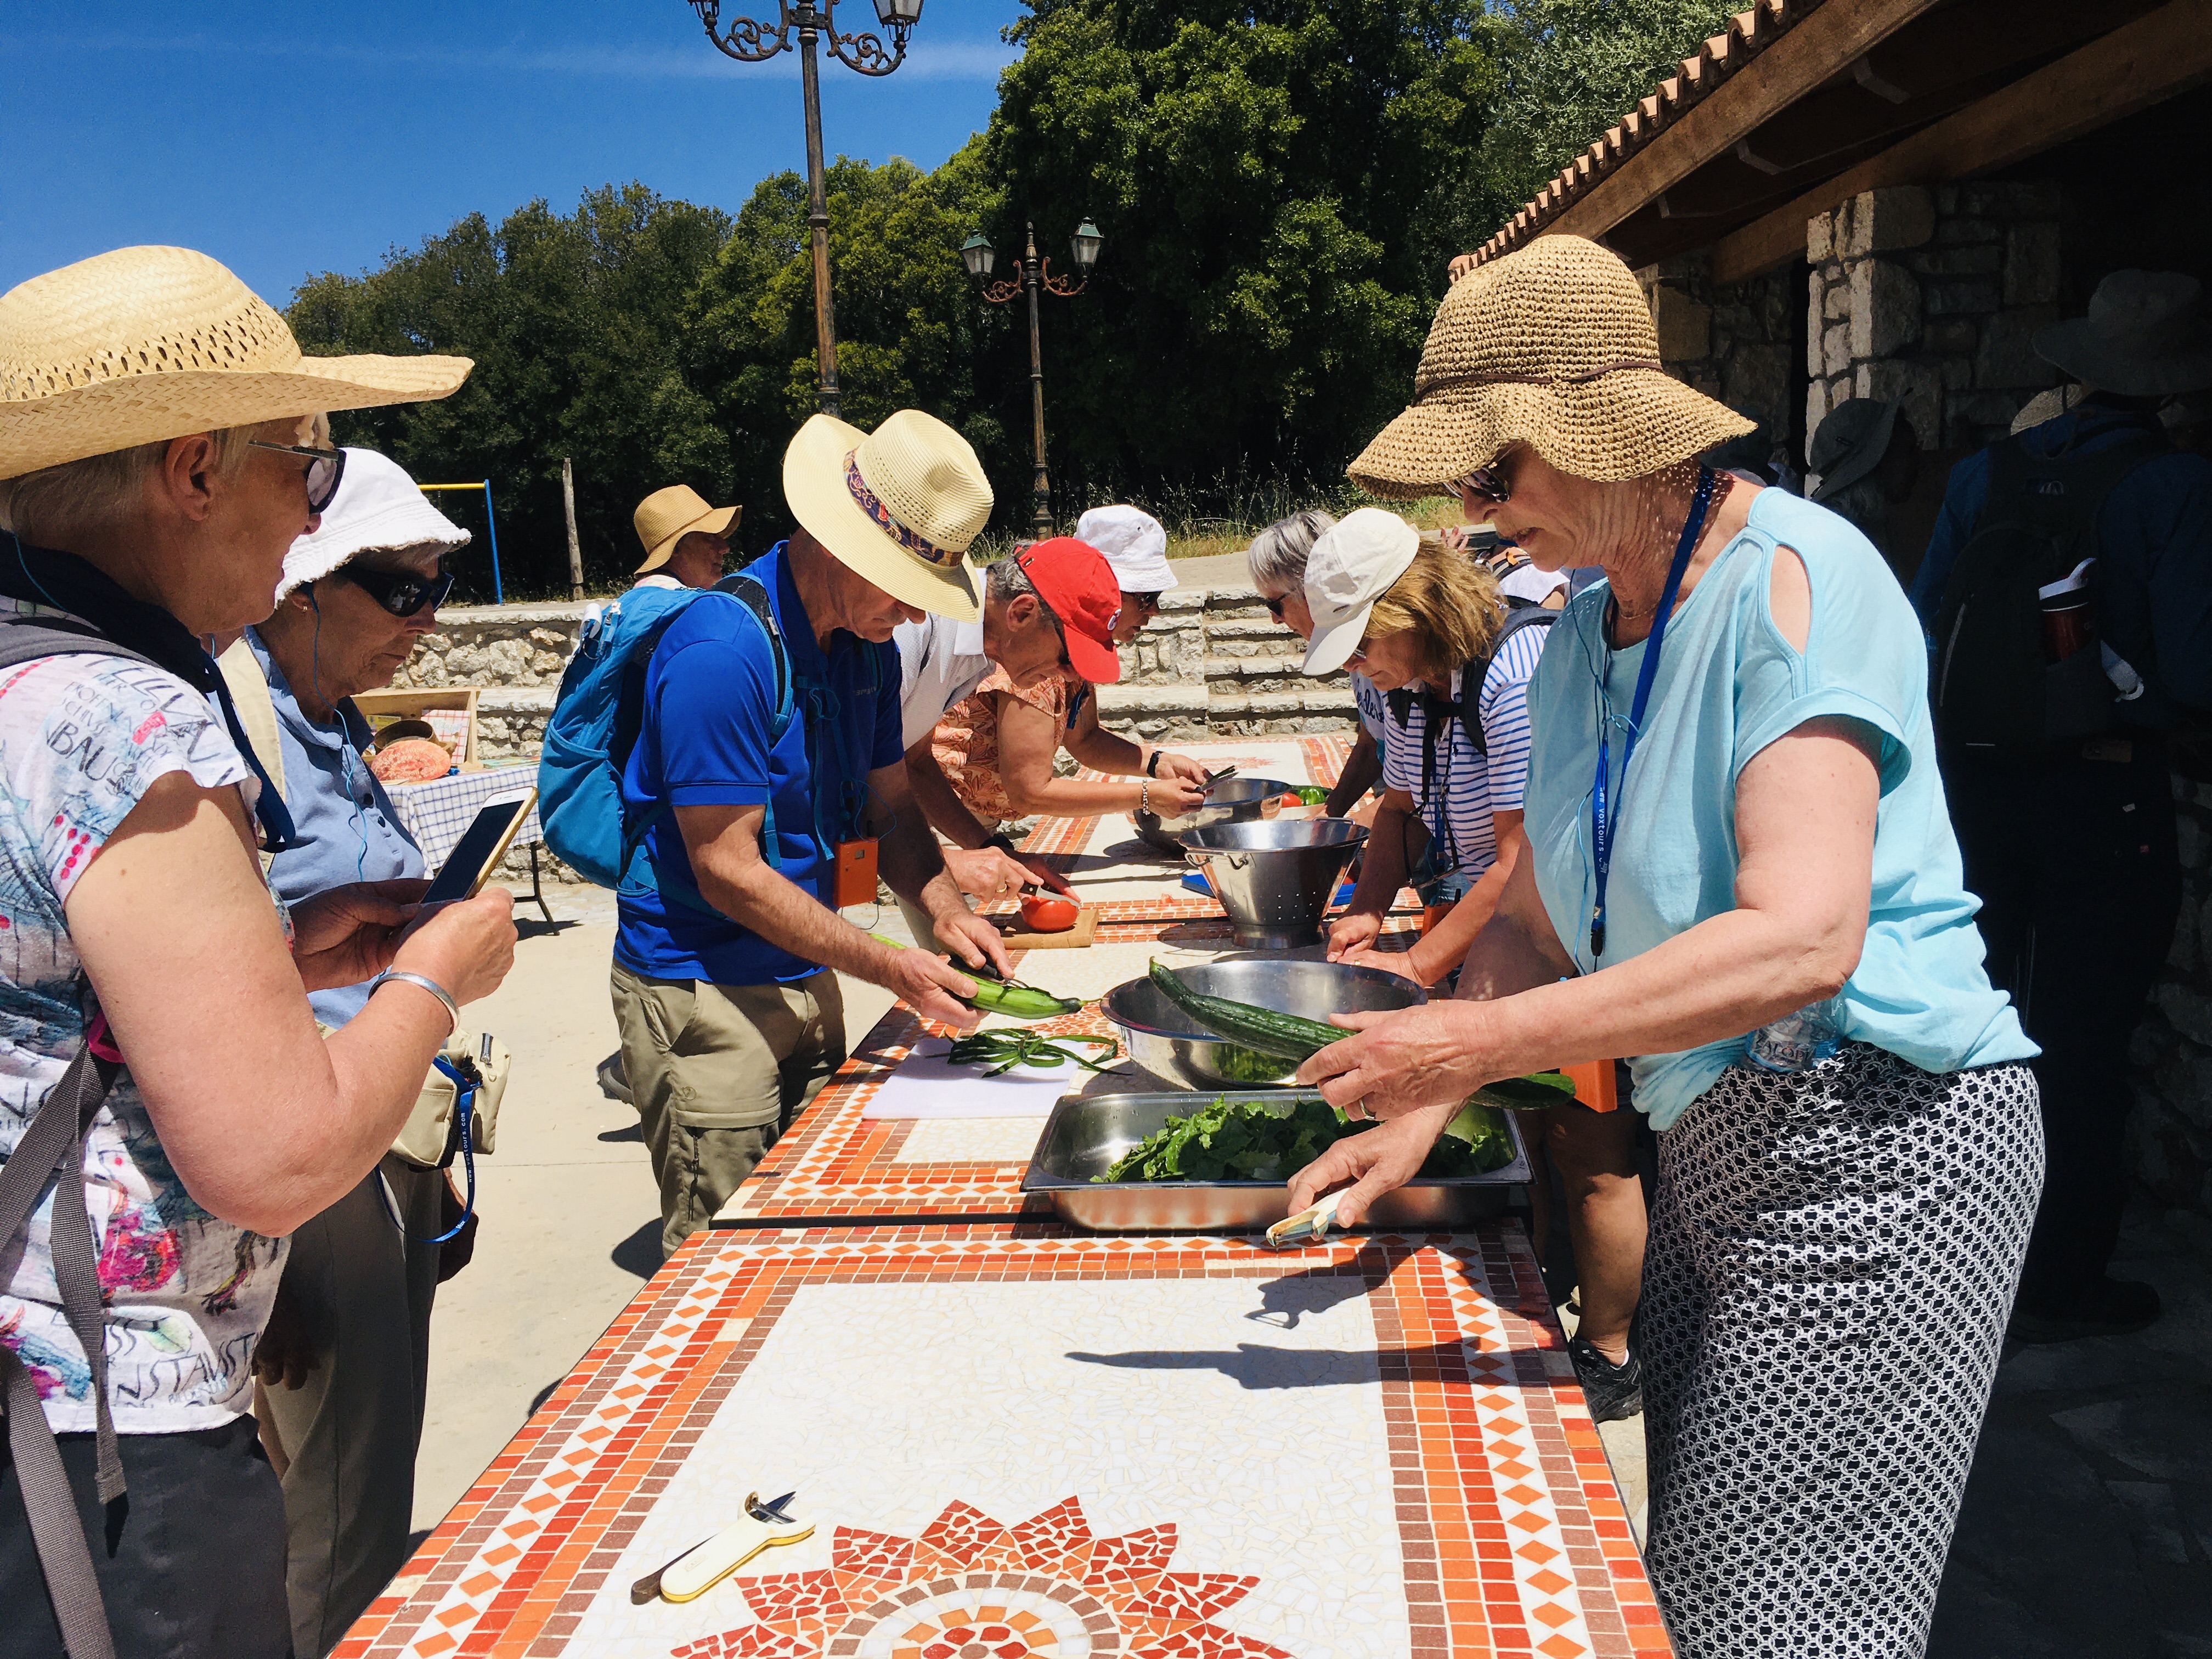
{"x": 1021, "y": 1443}
{"x": 836, "y": 1164}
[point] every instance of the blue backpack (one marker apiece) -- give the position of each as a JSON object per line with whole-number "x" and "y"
{"x": 597, "y": 717}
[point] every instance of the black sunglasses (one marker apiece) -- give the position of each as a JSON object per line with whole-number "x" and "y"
{"x": 403, "y": 592}
{"x": 1275, "y": 605}
{"x": 325, "y": 468}
{"x": 1489, "y": 483}
{"x": 1147, "y": 603}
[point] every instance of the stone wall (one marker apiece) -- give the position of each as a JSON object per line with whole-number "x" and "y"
{"x": 1213, "y": 663}
{"x": 2170, "y": 1136}
{"x": 1928, "y": 296}
{"x": 1732, "y": 342}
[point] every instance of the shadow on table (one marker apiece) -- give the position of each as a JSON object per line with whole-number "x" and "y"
{"x": 1258, "y": 1368}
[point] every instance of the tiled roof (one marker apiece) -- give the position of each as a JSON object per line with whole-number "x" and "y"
{"x": 1748, "y": 34}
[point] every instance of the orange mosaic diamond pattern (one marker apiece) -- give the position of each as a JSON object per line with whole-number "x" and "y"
{"x": 1512, "y": 1538}
{"x": 973, "y": 1587}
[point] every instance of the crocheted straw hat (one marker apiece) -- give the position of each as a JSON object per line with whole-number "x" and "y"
{"x": 147, "y": 344}
{"x": 1551, "y": 346}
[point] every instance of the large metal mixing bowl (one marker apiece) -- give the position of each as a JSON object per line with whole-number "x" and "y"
{"x": 1233, "y": 800}
{"x": 1164, "y": 1041}
{"x": 1275, "y": 879}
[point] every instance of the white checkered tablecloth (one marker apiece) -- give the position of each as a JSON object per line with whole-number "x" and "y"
{"x": 439, "y": 812}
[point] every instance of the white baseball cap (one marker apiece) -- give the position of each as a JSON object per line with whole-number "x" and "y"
{"x": 1352, "y": 566}
{"x": 1134, "y": 543}
{"x": 377, "y": 505}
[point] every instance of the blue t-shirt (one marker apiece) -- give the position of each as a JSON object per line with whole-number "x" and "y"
{"x": 346, "y": 829}
{"x": 709, "y": 712}
{"x": 1728, "y": 685}
{"x": 2153, "y": 596}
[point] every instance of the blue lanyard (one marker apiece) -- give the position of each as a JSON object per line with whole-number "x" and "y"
{"x": 1602, "y": 827}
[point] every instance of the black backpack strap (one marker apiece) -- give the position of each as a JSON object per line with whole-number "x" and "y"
{"x": 53, "y": 1150}
{"x": 755, "y": 595}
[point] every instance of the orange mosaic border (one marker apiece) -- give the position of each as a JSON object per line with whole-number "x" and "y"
{"x": 1513, "y": 1537}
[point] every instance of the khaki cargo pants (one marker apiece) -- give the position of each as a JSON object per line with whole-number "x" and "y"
{"x": 717, "y": 1074}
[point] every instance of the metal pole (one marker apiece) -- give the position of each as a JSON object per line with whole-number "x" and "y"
{"x": 1042, "y": 489}
{"x": 818, "y": 212}
{"x": 568, "y": 505}
{"x": 491, "y": 529}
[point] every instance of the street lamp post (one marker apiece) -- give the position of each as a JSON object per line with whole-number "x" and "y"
{"x": 750, "y": 41}
{"x": 1034, "y": 275}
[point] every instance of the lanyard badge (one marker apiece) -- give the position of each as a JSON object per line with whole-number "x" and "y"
{"x": 1604, "y": 825}
{"x": 856, "y": 871}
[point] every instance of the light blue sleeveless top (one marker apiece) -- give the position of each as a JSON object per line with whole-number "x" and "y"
{"x": 1728, "y": 685}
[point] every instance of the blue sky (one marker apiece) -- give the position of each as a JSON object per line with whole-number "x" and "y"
{"x": 290, "y": 139}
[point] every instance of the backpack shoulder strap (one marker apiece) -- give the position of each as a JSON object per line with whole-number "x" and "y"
{"x": 754, "y": 595}
{"x": 26, "y": 638}
{"x": 256, "y": 709}
{"x": 53, "y": 1150}
{"x": 1519, "y": 614}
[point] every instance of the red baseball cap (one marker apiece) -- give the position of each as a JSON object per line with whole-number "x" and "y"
{"x": 1074, "y": 580}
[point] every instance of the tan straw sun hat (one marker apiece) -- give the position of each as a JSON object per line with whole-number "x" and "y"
{"x": 1551, "y": 346}
{"x": 899, "y": 505}
{"x": 667, "y": 516}
{"x": 147, "y": 344}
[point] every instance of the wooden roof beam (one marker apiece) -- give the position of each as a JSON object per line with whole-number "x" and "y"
{"x": 1700, "y": 130}
{"x": 2139, "y": 65}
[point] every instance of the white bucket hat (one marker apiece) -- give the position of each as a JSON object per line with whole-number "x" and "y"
{"x": 377, "y": 506}
{"x": 899, "y": 505}
{"x": 1134, "y": 543}
{"x": 148, "y": 344}
{"x": 1351, "y": 567}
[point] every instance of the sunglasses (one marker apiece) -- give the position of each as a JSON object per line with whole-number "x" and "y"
{"x": 403, "y": 592}
{"x": 1487, "y": 482}
{"x": 1147, "y": 603}
{"x": 325, "y": 468}
{"x": 1275, "y": 605}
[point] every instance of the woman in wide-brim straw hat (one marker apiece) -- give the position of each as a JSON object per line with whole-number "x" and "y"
{"x": 162, "y": 443}
{"x": 1741, "y": 872}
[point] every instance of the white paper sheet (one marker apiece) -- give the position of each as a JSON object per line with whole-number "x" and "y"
{"x": 927, "y": 1085}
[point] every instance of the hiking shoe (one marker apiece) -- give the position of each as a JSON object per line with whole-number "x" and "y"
{"x": 612, "y": 1083}
{"x": 1614, "y": 1391}
{"x": 2111, "y": 1307}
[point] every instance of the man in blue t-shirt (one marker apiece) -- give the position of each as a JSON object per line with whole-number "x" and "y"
{"x": 723, "y": 978}
{"x": 2074, "y": 854}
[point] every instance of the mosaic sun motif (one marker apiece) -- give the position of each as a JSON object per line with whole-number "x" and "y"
{"x": 970, "y": 1588}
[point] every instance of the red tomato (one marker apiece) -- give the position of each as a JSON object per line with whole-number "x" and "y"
{"x": 1048, "y": 912}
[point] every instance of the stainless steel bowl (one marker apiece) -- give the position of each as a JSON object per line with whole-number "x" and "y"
{"x": 1233, "y": 800}
{"x": 1161, "y": 1038}
{"x": 1275, "y": 879}
{"x": 1086, "y": 1134}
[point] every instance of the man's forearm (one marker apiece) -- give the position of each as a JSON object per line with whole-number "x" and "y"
{"x": 1361, "y": 770}
{"x": 914, "y": 870}
{"x": 762, "y": 902}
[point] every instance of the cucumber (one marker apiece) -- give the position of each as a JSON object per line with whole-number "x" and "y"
{"x": 997, "y": 995}
{"x": 1532, "y": 1093}
{"x": 1262, "y": 1028}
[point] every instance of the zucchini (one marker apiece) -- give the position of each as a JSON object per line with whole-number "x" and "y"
{"x": 1532, "y": 1093}
{"x": 1263, "y": 1030}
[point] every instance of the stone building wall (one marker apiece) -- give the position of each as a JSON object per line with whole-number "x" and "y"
{"x": 1733, "y": 342}
{"x": 2170, "y": 1136}
{"x": 1929, "y": 297}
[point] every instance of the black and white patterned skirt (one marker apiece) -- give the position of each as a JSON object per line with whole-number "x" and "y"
{"x": 1831, "y": 1261}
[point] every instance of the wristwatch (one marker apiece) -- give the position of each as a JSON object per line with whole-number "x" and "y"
{"x": 1153, "y": 764}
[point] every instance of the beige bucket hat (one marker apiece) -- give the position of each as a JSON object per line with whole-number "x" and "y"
{"x": 899, "y": 505}
{"x": 147, "y": 344}
{"x": 667, "y": 516}
{"x": 1551, "y": 346}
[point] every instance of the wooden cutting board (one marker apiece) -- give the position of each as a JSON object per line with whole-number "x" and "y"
{"x": 1073, "y": 938}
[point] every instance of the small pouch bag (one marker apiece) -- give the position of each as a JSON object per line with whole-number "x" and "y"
{"x": 432, "y": 1136}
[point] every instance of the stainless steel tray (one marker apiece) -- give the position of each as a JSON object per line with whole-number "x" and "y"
{"x": 1086, "y": 1134}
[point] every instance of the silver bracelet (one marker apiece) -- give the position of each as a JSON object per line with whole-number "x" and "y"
{"x": 389, "y": 974}
{"x": 1144, "y": 796}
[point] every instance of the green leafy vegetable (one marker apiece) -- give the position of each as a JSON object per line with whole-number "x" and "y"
{"x": 1272, "y": 1141}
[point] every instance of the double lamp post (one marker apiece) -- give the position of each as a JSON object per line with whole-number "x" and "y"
{"x": 752, "y": 42}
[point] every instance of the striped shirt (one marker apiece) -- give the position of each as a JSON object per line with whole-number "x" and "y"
{"x": 1467, "y": 787}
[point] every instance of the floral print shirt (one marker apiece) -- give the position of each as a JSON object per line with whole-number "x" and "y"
{"x": 82, "y": 739}
{"x": 966, "y": 741}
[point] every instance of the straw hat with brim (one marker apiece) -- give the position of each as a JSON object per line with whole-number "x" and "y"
{"x": 2145, "y": 336}
{"x": 148, "y": 344}
{"x": 1551, "y": 346}
{"x": 667, "y": 516}
{"x": 899, "y": 505}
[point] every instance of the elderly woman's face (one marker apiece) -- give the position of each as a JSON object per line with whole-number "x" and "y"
{"x": 1137, "y": 610}
{"x": 1390, "y": 659}
{"x": 1291, "y": 607}
{"x": 1554, "y": 516}
{"x": 359, "y": 645}
{"x": 255, "y": 516}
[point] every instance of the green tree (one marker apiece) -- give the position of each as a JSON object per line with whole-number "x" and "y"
{"x": 1281, "y": 186}
{"x": 575, "y": 324}
{"x": 1577, "y": 67}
